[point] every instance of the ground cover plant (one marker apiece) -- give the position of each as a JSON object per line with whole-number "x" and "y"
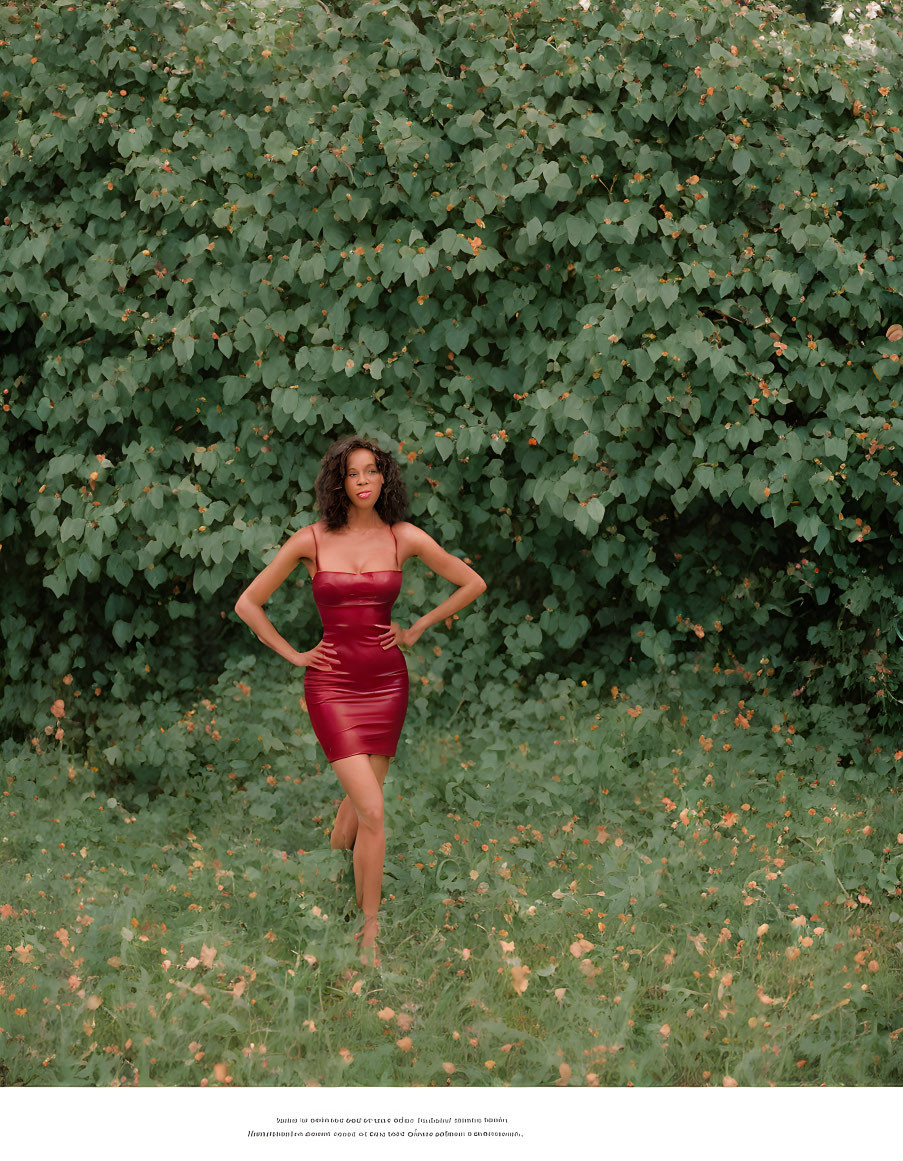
{"x": 682, "y": 881}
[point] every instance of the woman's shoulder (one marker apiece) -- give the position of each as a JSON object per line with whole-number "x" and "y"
{"x": 406, "y": 530}
{"x": 303, "y": 540}
{"x": 412, "y": 537}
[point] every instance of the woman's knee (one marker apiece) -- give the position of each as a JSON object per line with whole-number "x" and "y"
{"x": 363, "y": 788}
{"x": 370, "y": 814}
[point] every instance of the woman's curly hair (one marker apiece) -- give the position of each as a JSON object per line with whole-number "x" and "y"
{"x": 332, "y": 499}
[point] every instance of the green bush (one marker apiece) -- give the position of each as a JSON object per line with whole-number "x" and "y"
{"x": 614, "y": 284}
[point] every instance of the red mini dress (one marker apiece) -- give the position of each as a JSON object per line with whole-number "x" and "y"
{"x": 359, "y": 706}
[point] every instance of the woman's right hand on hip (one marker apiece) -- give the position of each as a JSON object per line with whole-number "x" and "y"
{"x": 322, "y": 656}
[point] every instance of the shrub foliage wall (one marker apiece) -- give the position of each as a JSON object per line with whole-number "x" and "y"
{"x": 617, "y": 285}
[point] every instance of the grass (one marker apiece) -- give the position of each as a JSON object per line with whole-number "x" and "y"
{"x": 684, "y": 882}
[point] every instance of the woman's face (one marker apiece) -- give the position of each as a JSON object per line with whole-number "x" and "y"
{"x": 363, "y": 480}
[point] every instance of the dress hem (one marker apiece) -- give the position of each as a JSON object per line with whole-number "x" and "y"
{"x": 352, "y": 753}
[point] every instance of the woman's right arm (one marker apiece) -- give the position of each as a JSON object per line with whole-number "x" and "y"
{"x": 249, "y": 606}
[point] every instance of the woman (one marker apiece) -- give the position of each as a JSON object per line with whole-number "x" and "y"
{"x": 356, "y": 679}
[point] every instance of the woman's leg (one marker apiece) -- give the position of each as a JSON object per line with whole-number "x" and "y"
{"x": 344, "y": 829}
{"x": 364, "y": 789}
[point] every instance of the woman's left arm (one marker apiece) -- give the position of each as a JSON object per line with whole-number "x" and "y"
{"x": 451, "y": 568}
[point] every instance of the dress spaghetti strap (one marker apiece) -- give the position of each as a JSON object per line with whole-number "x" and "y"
{"x": 392, "y": 530}
{"x": 313, "y": 529}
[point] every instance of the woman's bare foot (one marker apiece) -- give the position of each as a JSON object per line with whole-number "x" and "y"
{"x": 367, "y": 935}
